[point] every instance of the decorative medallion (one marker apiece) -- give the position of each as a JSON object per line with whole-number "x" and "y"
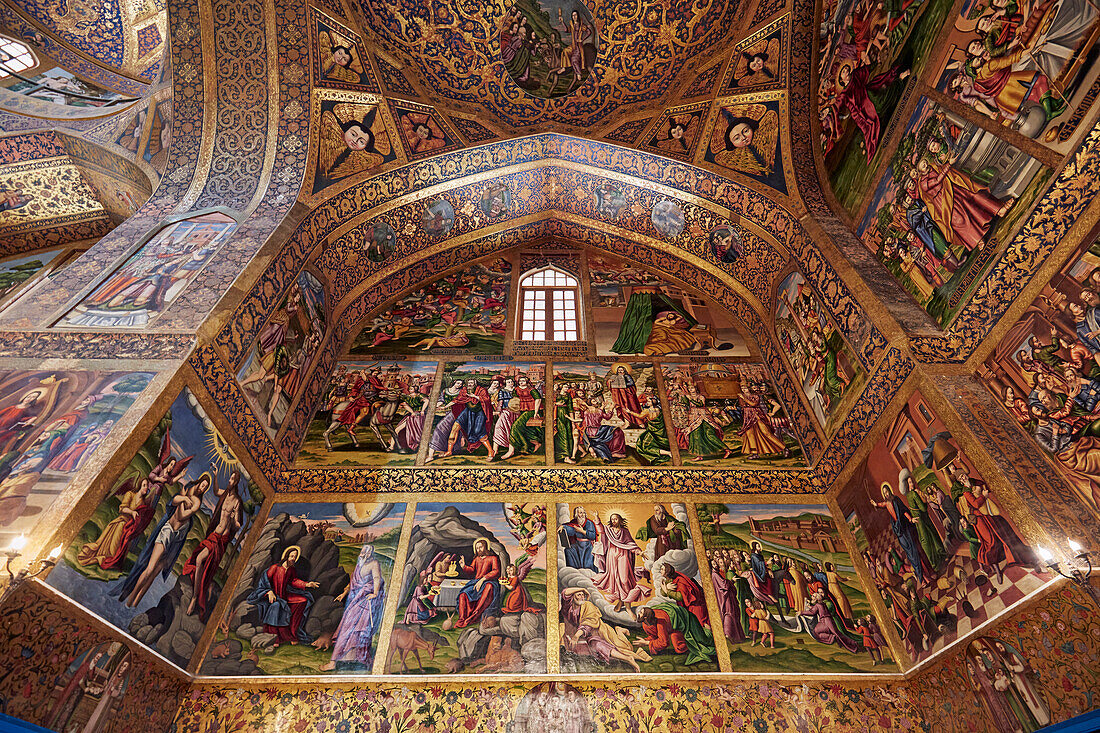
{"x": 548, "y": 46}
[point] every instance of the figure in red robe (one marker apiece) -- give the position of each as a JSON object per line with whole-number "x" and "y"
{"x": 481, "y": 594}
{"x": 518, "y": 600}
{"x": 853, "y": 85}
{"x": 283, "y": 600}
{"x": 686, "y": 592}
{"x": 204, "y": 562}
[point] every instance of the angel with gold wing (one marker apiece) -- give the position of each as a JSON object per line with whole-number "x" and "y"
{"x": 679, "y": 136}
{"x": 339, "y": 62}
{"x": 353, "y": 139}
{"x": 745, "y": 139}
{"x": 757, "y": 64}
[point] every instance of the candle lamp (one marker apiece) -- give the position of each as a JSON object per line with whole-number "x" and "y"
{"x": 1078, "y": 570}
{"x": 33, "y": 569}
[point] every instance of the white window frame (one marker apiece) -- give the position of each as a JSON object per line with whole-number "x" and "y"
{"x": 549, "y": 306}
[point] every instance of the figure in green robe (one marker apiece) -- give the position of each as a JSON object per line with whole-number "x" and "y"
{"x": 926, "y": 534}
{"x": 641, "y": 311}
{"x": 699, "y": 641}
{"x": 563, "y": 428}
{"x": 652, "y": 445}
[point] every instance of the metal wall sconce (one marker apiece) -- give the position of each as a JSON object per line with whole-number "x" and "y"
{"x": 1080, "y": 568}
{"x": 34, "y": 567}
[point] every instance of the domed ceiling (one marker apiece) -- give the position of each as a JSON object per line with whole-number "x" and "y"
{"x": 550, "y": 61}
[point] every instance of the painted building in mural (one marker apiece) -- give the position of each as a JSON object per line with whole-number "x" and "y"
{"x": 549, "y": 366}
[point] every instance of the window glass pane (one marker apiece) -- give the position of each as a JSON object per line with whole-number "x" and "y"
{"x": 14, "y": 56}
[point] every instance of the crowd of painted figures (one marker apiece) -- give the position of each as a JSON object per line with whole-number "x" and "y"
{"x": 503, "y": 416}
{"x": 1062, "y": 411}
{"x": 756, "y": 592}
{"x": 390, "y": 403}
{"x": 952, "y": 540}
{"x": 592, "y": 418}
{"x": 703, "y": 427}
{"x": 607, "y": 597}
{"x": 1006, "y": 682}
{"x": 459, "y": 311}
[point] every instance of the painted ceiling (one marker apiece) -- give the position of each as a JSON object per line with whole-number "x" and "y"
{"x": 459, "y": 53}
{"x": 362, "y": 197}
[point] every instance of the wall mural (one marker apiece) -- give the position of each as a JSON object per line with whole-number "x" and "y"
{"x": 729, "y": 415}
{"x": 371, "y": 414}
{"x": 638, "y": 313}
{"x": 548, "y": 47}
{"x": 787, "y": 591}
{"x": 868, "y": 55}
{"x": 339, "y": 57}
{"x": 826, "y": 368}
{"x": 49, "y": 191}
{"x": 952, "y": 195}
{"x": 460, "y": 313}
{"x": 423, "y": 131}
{"x": 278, "y": 363}
{"x": 1007, "y": 686}
{"x": 154, "y": 555}
{"x": 59, "y": 86}
{"x": 760, "y": 61}
{"x": 88, "y": 693}
{"x": 16, "y": 272}
{"x": 746, "y": 138}
{"x": 490, "y": 412}
{"x": 608, "y": 413}
{"x": 51, "y": 423}
{"x": 311, "y": 598}
{"x": 153, "y": 277}
{"x": 473, "y": 591}
{"x": 1026, "y": 65}
{"x": 353, "y": 137}
{"x": 1045, "y": 373}
{"x": 631, "y": 598}
{"x": 678, "y": 130}
{"x": 941, "y": 548}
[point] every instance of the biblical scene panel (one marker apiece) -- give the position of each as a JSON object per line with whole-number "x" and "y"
{"x": 548, "y": 47}
{"x": 279, "y": 361}
{"x": 951, "y": 197}
{"x": 489, "y": 412}
{"x": 942, "y": 550}
{"x": 868, "y": 54}
{"x": 826, "y": 368}
{"x": 631, "y": 598}
{"x": 608, "y": 413}
{"x": 372, "y": 414}
{"x": 147, "y": 283}
{"x": 1025, "y": 65}
{"x": 1046, "y": 372}
{"x": 787, "y": 592}
{"x": 16, "y": 272}
{"x": 473, "y": 591}
{"x": 312, "y": 595}
{"x": 154, "y": 555}
{"x": 89, "y": 693}
{"x": 59, "y": 86}
{"x": 51, "y": 423}
{"x": 635, "y": 312}
{"x": 460, "y": 313}
{"x": 1002, "y": 677}
{"x": 729, "y": 415}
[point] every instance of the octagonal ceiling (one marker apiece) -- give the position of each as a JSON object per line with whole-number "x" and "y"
{"x": 634, "y": 54}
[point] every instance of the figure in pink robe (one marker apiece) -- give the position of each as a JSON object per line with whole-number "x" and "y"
{"x": 619, "y": 582}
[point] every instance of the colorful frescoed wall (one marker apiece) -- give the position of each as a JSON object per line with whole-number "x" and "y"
{"x": 154, "y": 556}
{"x": 945, "y": 551}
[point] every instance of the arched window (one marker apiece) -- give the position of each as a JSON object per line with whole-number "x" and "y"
{"x": 15, "y": 57}
{"x": 549, "y": 306}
